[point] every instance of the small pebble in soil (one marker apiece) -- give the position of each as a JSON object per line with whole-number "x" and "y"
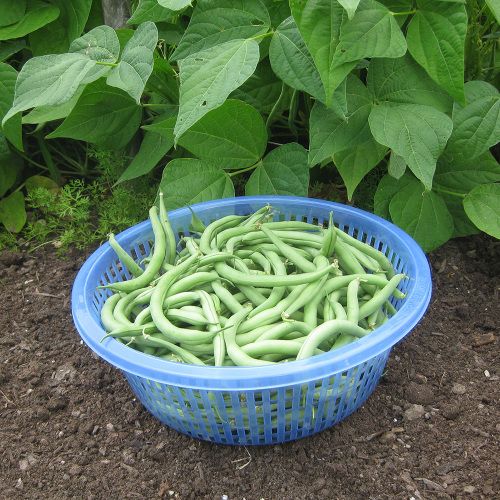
{"x": 458, "y": 389}
{"x": 420, "y": 394}
{"x": 469, "y": 489}
{"x": 414, "y": 412}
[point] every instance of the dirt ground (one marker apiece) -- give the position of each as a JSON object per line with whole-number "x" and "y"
{"x": 71, "y": 428}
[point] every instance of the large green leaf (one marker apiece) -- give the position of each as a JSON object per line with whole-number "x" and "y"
{"x": 12, "y": 127}
{"x": 396, "y": 166}
{"x": 278, "y": 11}
{"x": 175, "y": 4}
{"x": 436, "y": 39}
{"x": 372, "y": 32}
{"x": 261, "y": 90}
{"x": 10, "y": 48}
{"x": 10, "y": 166}
{"x": 319, "y": 23}
{"x": 291, "y": 61}
{"x": 49, "y": 81}
{"x": 330, "y": 133}
{"x": 37, "y": 14}
{"x": 417, "y": 133}
{"x": 43, "y": 114}
{"x": 218, "y": 21}
{"x": 13, "y": 212}
{"x": 208, "y": 77}
{"x": 189, "y": 180}
{"x": 461, "y": 176}
{"x": 153, "y": 148}
{"x": 150, "y": 10}
{"x": 422, "y": 214}
{"x": 136, "y": 63}
{"x": 354, "y": 163}
{"x": 494, "y": 6}
{"x": 100, "y": 44}
{"x": 476, "y": 128}
{"x": 283, "y": 171}
{"x": 57, "y": 36}
{"x": 235, "y": 134}
{"x": 350, "y": 6}
{"x": 402, "y": 80}
{"x": 462, "y": 225}
{"x": 11, "y": 11}
{"x": 386, "y": 189}
{"x": 482, "y": 205}
{"x": 103, "y": 115}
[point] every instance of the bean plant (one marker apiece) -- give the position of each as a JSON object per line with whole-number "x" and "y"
{"x": 267, "y": 94}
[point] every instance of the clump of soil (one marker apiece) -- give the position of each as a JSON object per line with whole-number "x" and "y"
{"x": 70, "y": 426}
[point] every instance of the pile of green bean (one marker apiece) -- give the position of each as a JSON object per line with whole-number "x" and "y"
{"x": 249, "y": 291}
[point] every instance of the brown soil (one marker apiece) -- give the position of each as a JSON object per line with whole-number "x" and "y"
{"x": 71, "y": 428}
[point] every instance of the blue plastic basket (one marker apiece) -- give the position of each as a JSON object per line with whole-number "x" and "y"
{"x": 269, "y": 404}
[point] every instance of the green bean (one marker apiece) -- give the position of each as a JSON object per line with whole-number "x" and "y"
{"x": 192, "y": 281}
{"x": 352, "y": 301}
{"x": 339, "y": 282}
{"x": 219, "y": 346}
{"x": 226, "y": 297}
{"x": 289, "y": 252}
{"x": 379, "y": 299}
{"x": 235, "y": 352}
{"x": 257, "y": 216}
{"x": 153, "y": 267}
{"x": 292, "y": 225}
{"x": 372, "y": 252}
{"x": 172, "y": 332}
{"x": 274, "y": 313}
{"x": 190, "y": 317}
{"x": 269, "y": 281}
{"x": 260, "y": 247}
{"x": 131, "y": 331}
{"x": 330, "y": 238}
{"x": 285, "y": 347}
{"x": 126, "y": 259}
{"x": 390, "y": 308}
{"x": 214, "y": 227}
{"x": 191, "y": 246}
{"x": 143, "y": 317}
{"x": 327, "y": 310}
{"x": 261, "y": 261}
{"x": 314, "y": 289}
{"x": 170, "y": 249}
{"x": 291, "y": 237}
{"x": 107, "y": 317}
{"x": 341, "y": 341}
{"x": 179, "y": 351}
{"x": 365, "y": 260}
{"x": 281, "y": 330}
{"x": 277, "y": 292}
{"x": 325, "y": 331}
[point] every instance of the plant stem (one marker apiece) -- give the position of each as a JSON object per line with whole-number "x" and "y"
{"x": 264, "y": 35}
{"x": 406, "y": 13}
{"x": 232, "y": 174}
{"x": 103, "y": 63}
{"x": 447, "y": 191}
{"x": 53, "y": 170}
{"x": 275, "y": 108}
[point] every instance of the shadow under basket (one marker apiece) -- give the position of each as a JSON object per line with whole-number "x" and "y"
{"x": 269, "y": 404}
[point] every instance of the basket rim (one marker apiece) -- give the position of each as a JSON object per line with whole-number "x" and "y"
{"x": 252, "y": 378}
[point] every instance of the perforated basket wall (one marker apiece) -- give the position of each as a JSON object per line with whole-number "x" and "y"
{"x": 270, "y": 404}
